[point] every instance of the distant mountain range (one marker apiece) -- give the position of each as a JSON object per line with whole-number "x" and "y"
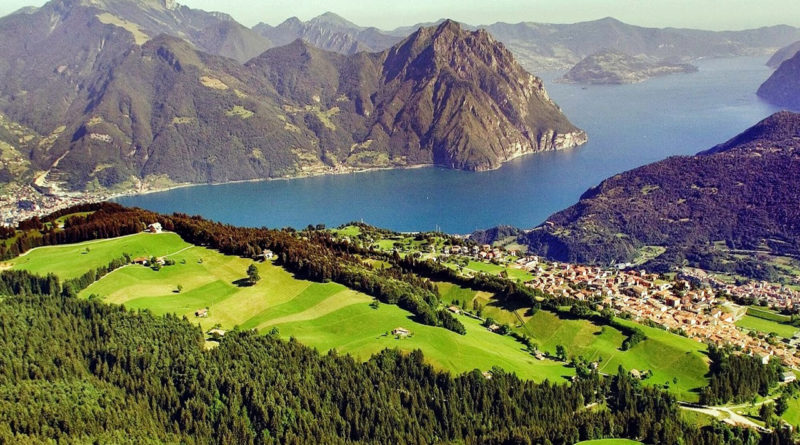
{"x": 743, "y": 194}
{"x": 783, "y": 86}
{"x": 90, "y": 102}
{"x": 542, "y": 46}
{"x": 144, "y": 94}
{"x": 611, "y": 67}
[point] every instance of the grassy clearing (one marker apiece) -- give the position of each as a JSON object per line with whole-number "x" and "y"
{"x": 73, "y": 260}
{"x": 494, "y": 269}
{"x": 697, "y": 419}
{"x": 138, "y": 35}
{"x": 784, "y": 330}
{"x": 351, "y": 231}
{"x": 766, "y": 314}
{"x": 667, "y": 355}
{"x": 240, "y": 112}
{"x": 322, "y": 315}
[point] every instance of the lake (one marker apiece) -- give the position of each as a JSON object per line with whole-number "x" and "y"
{"x": 628, "y": 126}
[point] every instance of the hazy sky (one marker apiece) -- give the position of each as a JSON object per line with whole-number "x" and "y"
{"x": 388, "y": 14}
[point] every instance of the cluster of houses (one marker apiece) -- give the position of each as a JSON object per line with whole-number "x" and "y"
{"x": 480, "y": 252}
{"x": 776, "y": 296}
{"x": 21, "y": 202}
{"x": 675, "y": 305}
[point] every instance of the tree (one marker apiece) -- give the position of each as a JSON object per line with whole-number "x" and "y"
{"x": 561, "y": 352}
{"x": 179, "y": 288}
{"x": 781, "y": 405}
{"x": 252, "y": 274}
{"x": 766, "y": 411}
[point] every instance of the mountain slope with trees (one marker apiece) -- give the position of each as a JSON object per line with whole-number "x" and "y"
{"x": 744, "y": 192}
{"x": 136, "y": 112}
{"x": 783, "y": 86}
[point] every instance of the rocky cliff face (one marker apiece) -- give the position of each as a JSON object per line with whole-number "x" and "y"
{"x": 610, "y": 67}
{"x": 743, "y": 192}
{"x": 783, "y": 86}
{"x": 462, "y": 95}
{"x": 162, "y": 112}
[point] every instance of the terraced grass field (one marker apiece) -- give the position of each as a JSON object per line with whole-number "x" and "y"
{"x": 73, "y": 260}
{"x": 322, "y": 315}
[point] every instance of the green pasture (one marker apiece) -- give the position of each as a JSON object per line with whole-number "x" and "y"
{"x": 73, "y": 260}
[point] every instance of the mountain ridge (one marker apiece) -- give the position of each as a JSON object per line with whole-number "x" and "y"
{"x": 742, "y": 192}
{"x": 163, "y": 113}
{"x": 782, "y": 88}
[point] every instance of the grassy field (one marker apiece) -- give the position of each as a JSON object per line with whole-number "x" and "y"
{"x": 766, "y": 314}
{"x": 792, "y": 415}
{"x": 322, "y": 315}
{"x": 667, "y": 355}
{"x": 494, "y": 269}
{"x": 73, "y": 260}
{"x": 766, "y": 326}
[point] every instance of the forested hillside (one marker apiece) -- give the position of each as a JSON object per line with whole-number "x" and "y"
{"x": 743, "y": 193}
{"x": 81, "y": 370}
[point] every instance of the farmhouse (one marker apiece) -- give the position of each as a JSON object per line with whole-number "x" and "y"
{"x": 154, "y": 228}
{"x": 788, "y": 377}
{"x": 201, "y": 313}
{"x": 454, "y": 309}
{"x": 401, "y": 332}
{"x": 140, "y": 260}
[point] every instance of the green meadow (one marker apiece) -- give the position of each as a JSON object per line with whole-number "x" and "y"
{"x": 750, "y": 322}
{"x": 330, "y": 316}
{"x": 73, "y": 260}
{"x": 322, "y": 315}
{"x": 675, "y": 361}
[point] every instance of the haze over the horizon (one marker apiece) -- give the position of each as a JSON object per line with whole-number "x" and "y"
{"x": 390, "y": 14}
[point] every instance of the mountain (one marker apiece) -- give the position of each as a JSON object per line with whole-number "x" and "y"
{"x": 783, "y": 54}
{"x": 540, "y": 46}
{"x": 152, "y": 115}
{"x": 615, "y": 67}
{"x": 783, "y": 86}
{"x": 743, "y": 194}
{"x": 330, "y": 32}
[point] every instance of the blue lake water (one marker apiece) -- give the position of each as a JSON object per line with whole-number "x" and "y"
{"x": 628, "y": 126}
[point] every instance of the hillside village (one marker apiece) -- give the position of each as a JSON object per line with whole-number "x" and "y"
{"x": 691, "y": 303}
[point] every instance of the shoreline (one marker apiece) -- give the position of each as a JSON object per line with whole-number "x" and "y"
{"x": 67, "y": 199}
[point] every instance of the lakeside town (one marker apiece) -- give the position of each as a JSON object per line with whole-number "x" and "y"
{"x": 691, "y": 303}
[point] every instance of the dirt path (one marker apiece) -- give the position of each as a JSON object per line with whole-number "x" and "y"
{"x": 727, "y": 415}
